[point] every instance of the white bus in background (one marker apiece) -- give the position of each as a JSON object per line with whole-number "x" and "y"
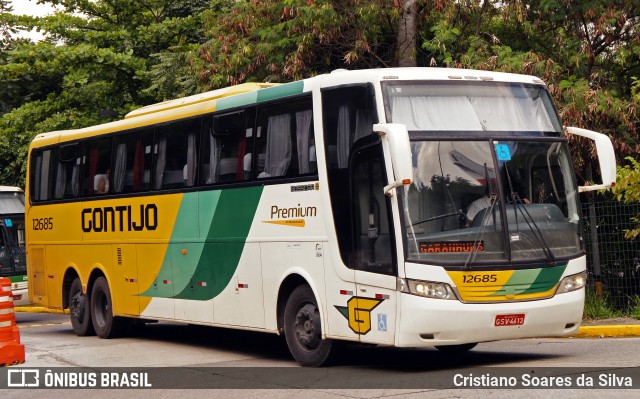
{"x": 13, "y": 263}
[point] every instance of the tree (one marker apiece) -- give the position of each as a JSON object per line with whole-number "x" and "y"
{"x": 97, "y": 55}
{"x": 407, "y": 34}
{"x": 269, "y": 40}
{"x": 120, "y": 54}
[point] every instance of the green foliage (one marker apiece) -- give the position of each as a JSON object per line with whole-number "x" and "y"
{"x": 269, "y": 40}
{"x": 635, "y": 310}
{"x": 596, "y": 307}
{"x": 627, "y": 190}
{"x": 121, "y": 54}
{"x": 96, "y": 55}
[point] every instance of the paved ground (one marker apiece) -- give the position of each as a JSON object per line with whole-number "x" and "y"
{"x": 616, "y": 327}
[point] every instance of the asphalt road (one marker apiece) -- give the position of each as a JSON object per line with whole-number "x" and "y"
{"x": 259, "y": 365}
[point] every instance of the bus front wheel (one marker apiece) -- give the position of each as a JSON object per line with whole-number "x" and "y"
{"x": 105, "y": 324}
{"x": 303, "y": 329}
{"x": 79, "y": 310}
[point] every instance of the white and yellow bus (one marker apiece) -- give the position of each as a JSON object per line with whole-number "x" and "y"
{"x": 406, "y": 207}
{"x": 13, "y": 260}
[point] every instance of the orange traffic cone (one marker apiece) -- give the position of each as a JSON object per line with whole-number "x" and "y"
{"x": 11, "y": 351}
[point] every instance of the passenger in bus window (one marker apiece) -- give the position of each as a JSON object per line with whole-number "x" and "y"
{"x": 101, "y": 183}
{"x": 484, "y": 202}
{"x": 478, "y": 205}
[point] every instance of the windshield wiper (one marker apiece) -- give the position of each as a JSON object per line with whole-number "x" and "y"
{"x": 533, "y": 226}
{"x": 493, "y": 199}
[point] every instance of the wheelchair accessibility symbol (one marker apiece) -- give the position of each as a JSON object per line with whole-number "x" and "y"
{"x": 502, "y": 152}
{"x": 382, "y": 322}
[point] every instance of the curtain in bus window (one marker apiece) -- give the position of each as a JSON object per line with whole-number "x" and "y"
{"x": 75, "y": 179}
{"x": 138, "y": 166}
{"x": 214, "y": 159}
{"x": 93, "y": 167}
{"x": 120, "y": 171}
{"x": 38, "y": 179}
{"x": 512, "y": 113}
{"x": 242, "y": 152}
{"x": 61, "y": 178}
{"x": 190, "y": 171}
{"x": 278, "y": 154}
{"x": 435, "y": 113}
{"x": 161, "y": 160}
{"x": 344, "y": 131}
{"x": 303, "y": 127}
{"x": 364, "y": 124}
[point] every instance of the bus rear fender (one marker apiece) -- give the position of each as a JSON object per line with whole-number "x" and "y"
{"x": 69, "y": 276}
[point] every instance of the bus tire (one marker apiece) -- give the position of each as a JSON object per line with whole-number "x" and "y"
{"x": 303, "y": 329}
{"x": 461, "y": 348}
{"x": 105, "y": 324}
{"x": 79, "y": 310}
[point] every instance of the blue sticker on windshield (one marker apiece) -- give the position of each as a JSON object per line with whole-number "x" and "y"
{"x": 503, "y": 152}
{"x": 8, "y": 223}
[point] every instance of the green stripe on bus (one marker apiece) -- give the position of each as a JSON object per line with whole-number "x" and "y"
{"x": 531, "y": 281}
{"x": 546, "y": 280}
{"x": 226, "y": 216}
{"x": 19, "y": 278}
{"x": 279, "y": 91}
{"x": 236, "y": 101}
{"x": 270, "y": 93}
{"x": 225, "y": 241}
{"x": 519, "y": 281}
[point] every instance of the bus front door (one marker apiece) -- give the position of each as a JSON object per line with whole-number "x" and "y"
{"x": 374, "y": 258}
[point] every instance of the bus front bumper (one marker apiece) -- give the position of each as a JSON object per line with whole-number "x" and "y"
{"x": 429, "y": 322}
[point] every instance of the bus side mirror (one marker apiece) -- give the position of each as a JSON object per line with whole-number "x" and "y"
{"x": 606, "y": 158}
{"x": 397, "y": 138}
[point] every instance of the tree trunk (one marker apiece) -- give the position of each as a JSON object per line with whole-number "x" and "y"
{"x": 407, "y": 34}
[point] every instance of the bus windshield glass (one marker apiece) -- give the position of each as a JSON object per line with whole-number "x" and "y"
{"x": 12, "y": 234}
{"x": 471, "y": 107}
{"x": 474, "y": 202}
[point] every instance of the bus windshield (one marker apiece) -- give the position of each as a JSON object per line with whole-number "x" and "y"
{"x": 471, "y": 107}
{"x": 490, "y": 201}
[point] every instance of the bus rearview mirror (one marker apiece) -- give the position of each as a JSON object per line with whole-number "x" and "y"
{"x": 606, "y": 158}
{"x": 397, "y": 138}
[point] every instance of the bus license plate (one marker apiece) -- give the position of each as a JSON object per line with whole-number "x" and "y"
{"x": 504, "y": 320}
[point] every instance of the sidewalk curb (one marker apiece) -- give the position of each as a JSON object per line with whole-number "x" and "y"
{"x": 39, "y": 309}
{"x": 627, "y": 330}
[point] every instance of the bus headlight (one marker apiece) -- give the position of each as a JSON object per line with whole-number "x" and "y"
{"x": 572, "y": 283}
{"x": 428, "y": 289}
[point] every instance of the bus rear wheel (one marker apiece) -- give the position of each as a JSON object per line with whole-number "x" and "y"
{"x": 303, "y": 329}
{"x": 105, "y": 323}
{"x": 79, "y": 310}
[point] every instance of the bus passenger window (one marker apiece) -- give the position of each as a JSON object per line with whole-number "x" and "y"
{"x": 287, "y": 150}
{"x": 226, "y": 148}
{"x": 97, "y": 158}
{"x": 277, "y": 149}
{"x": 67, "y": 172}
{"x": 41, "y": 175}
{"x": 132, "y": 162}
{"x": 176, "y": 155}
